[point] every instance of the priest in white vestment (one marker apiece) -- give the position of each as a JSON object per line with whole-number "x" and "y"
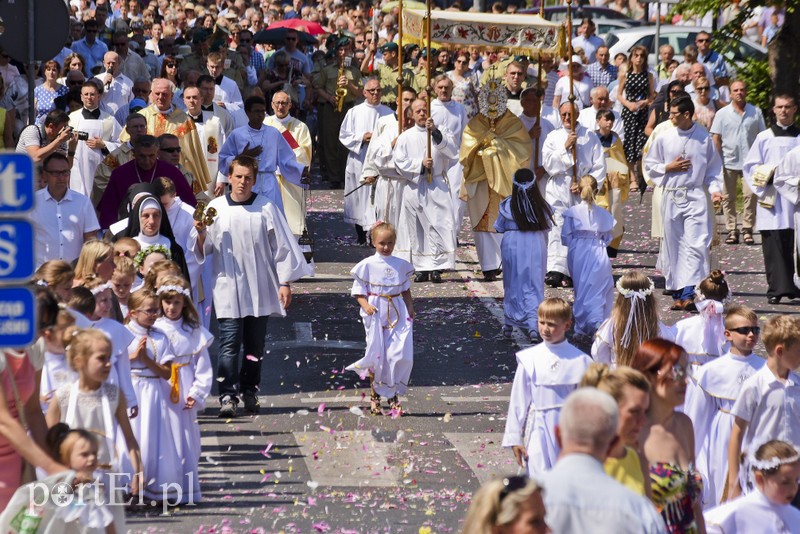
{"x": 355, "y": 133}
{"x": 298, "y": 136}
{"x": 103, "y": 133}
{"x": 254, "y": 257}
{"x": 538, "y": 129}
{"x": 209, "y": 128}
{"x": 685, "y": 162}
{"x": 268, "y": 146}
{"x": 427, "y": 195}
{"x": 561, "y": 191}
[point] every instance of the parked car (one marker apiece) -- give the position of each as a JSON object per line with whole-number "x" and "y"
{"x": 559, "y": 14}
{"x": 677, "y": 36}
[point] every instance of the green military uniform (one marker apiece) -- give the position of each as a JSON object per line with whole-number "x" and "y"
{"x": 421, "y": 76}
{"x": 195, "y": 61}
{"x": 333, "y": 154}
{"x": 387, "y": 76}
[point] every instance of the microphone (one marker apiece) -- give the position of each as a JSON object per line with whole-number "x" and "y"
{"x": 108, "y": 84}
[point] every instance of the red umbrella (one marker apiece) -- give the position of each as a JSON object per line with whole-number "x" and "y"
{"x": 307, "y": 26}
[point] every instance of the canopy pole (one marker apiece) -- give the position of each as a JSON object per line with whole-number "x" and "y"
{"x": 539, "y": 107}
{"x": 429, "y": 88}
{"x": 571, "y": 92}
{"x": 400, "y": 118}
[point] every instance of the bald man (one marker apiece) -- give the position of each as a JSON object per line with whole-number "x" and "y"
{"x": 118, "y": 87}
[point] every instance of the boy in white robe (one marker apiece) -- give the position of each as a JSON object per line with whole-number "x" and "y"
{"x": 255, "y": 257}
{"x": 103, "y": 134}
{"x": 561, "y": 191}
{"x": 546, "y": 374}
{"x": 684, "y": 161}
{"x": 710, "y": 396}
{"x": 427, "y": 195}
{"x": 538, "y": 130}
{"x": 355, "y": 133}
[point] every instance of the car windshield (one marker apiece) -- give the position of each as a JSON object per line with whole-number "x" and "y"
{"x": 611, "y": 39}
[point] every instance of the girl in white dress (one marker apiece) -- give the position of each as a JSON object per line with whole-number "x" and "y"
{"x": 634, "y": 320}
{"x": 191, "y": 379}
{"x": 776, "y": 470}
{"x": 151, "y": 357}
{"x": 56, "y": 371}
{"x": 546, "y": 374}
{"x": 703, "y": 336}
{"x": 92, "y": 403}
{"x": 710, "y": 395}
{"x": 586, "y": 232}
{"x": 382, "y": 287}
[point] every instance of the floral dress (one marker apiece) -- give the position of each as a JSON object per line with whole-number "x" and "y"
{"x": 674, "y": 493}
{"x": 465, "y": 91}
{"x": 636, "y": 87}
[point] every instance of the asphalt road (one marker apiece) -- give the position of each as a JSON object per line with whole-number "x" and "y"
{"x": 314, "y": 460}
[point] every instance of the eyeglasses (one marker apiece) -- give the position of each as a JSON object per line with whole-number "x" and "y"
{"x": 702, "y": 40}
{"x": 674, "y": 113}
{"x": 702, "y": 88}
{"x": 54, "y": 172}
{"x": 677, "y": 373}
{"x": 567, "y": 114}
{"x": 281, "y": 102}
{"x": 512, "y": 484}
{"x": 151, "y": 312}
{"x": 172, "y": 150}
{"x": 746, "y": 330}
{"x": 461, "y": 61}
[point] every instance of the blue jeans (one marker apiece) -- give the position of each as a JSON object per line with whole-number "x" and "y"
{"x": 683, "y": 294}
{"x": 248, "y": 333}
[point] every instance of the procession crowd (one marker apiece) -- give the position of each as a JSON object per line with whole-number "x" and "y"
{"x": 175, "y": 143}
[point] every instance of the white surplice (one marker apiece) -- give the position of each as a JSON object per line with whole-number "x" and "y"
{"x": 87, "y": 159}
{"x": 753, "y": 513}
{"x": 359, "y": 120}
{"x": 253, "y": 250}
{"x": 709, "y": 398}
{"x": 213, "y": 134}
{"x": 298, "y": 136}
{"x": 546, "y": 374}
{"x": 451, "y": 118}
{"x": 586, "y": 234}
{"x": 390, "y": 343}
{"x": 684, "y": 208}
{"x": 429, "y": 204}
{"x": 558, "y": 163}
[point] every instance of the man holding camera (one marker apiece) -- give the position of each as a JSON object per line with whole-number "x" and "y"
{"x": 97, "y": 132}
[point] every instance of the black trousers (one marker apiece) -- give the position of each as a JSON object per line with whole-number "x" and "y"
{"x": 778, "y": 247}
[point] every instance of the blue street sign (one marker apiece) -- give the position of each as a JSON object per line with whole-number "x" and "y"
{"x": 16, "y": 251}
{"x": 17, "y": 317}
{"x": 16, "y": 183}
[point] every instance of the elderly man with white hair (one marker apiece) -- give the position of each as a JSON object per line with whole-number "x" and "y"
{"x": 579, "y": 495}
{"x": 600, "y": 101}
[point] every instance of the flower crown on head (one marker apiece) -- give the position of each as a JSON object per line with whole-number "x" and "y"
{"x": 142, "y": 254}
{"x": 177, "y": 289}
{"x": 99, "y": 289}
{"x": 635, "y": 293}
{"x": 770, "y": 463}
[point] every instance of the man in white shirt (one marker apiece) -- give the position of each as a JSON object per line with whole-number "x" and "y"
{"x": 118, "y": 87}
{"x": 587, "y": 40}
{"x": 63, "y": 219}
{"x": 579, "y": 496}
{"x": 581, "y": 86}
{"x": 600, "y": 101}
{"x": 226, "y": 92}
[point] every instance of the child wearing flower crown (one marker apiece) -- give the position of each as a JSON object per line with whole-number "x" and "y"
{"x": 524, "y": 219}
{"x": 145, "y": 259}
{"x": 151, "y": 357}
{"x": 776, "y": 471}
{"x": 634, "y": 320}
{"x": 710, "y": 395}
{"x": 382, "y": 287}
{"x": 586, "y": 232}
{"x": 192, "y": 375}
{"x": 703, "y": 336}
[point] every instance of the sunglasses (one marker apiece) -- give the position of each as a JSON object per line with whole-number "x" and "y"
{"x": 677, "y": 373}
{"x": 702, "y": 88}
{"x": 172, "y": 150}
{"x": 701, "y": 40}
{"x": 512, "y": 484}
{"x": 170, "y": 65}
{"x": 745, "y": 330}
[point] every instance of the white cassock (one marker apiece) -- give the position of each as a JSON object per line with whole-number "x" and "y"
{"x": 557, "y": 162}
{"x": 195, "y": 376}
{"x": 586, "y": 233}
{"x": 770, "y": 150}
{"x": 228, "y": 93}
{"x": 253, "y": 251}
{"x": 118, "y": 94}
{"x": 429, "y": 205}
{"x": 709, "y": 398}
{"x": 604, "y": 343}
{"x": 753, "y": 513}
{"x": 388, "y": 201}
{"x": 684, "y": 208}
{"x": 588, "y": 119}
{"x": 359, "y": 120}
{"x": 786, "y": 184}
{"x": 546, "y": 374}
{"x": 276, "y": 153}
{"x": 451, "y": 118}
{"x": 547, "y": 127}
{"x": 296, "y": 133}
{"x": 390, "y": 342}
{"x": 87, "y": 159}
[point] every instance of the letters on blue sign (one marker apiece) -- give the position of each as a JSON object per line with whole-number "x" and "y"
{"x": 16, "y": 250}
{"x": 16, "y": 183}
{"x": 17, "y": 317}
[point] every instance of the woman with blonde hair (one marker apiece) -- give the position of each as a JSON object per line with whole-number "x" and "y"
{"x": 631, "y": 390}
{"x": 97, "y": 258}
{"x": 634, "y": 320}
{"x": 57, "y": 276}
{"x": 509, "y": 505}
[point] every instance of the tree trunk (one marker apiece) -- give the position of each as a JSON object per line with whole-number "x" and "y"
{"x": 784, "y": 56}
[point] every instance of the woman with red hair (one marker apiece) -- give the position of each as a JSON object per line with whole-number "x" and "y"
{"x": 668, "y": 437}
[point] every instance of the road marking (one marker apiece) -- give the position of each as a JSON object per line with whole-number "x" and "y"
{"x": 483, "y": 454}
{"x": 304, "y": 337}
{"x": 476, "y": 399}
{"x": 348, "y": 458}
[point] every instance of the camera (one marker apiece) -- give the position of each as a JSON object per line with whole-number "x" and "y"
{"x": 83, "y": 136}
